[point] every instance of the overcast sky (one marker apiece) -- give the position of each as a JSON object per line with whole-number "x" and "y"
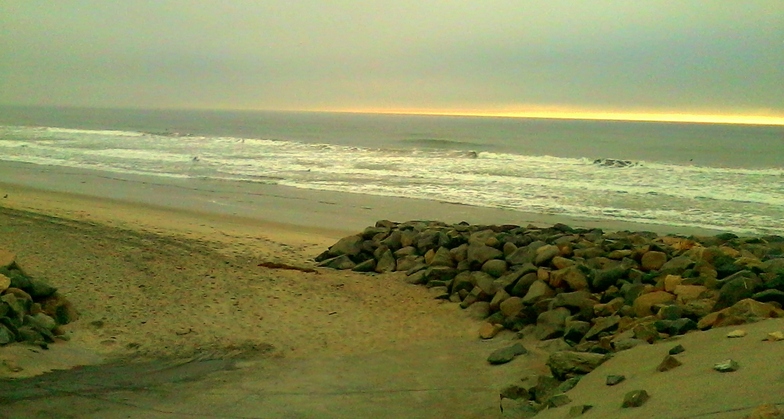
{"x": 712, "y": 56}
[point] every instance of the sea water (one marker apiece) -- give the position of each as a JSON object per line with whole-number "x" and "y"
{"x": 727, "y": 177}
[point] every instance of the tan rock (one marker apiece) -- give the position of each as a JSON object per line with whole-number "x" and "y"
{"x": 729, "y": 251}
{"x": 489, "y": 331}
{"x": 5, "y": 282}
{"x": 642, "y": 304}
{"x": 737, "y": 333}
{"x": 708, "y": 321}
{"x": 669, "y": 362}
{"x": 653, "y": 260}
{"x": 686, "y": 293}
{"x": 6, "y": 258}
{"x": 511, "y": 306}
{"x": 672, "y": 281}
{"x": 774, "y": 336}
{"x": 543, "y": 274}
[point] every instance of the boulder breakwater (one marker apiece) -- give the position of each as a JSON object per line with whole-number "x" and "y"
{"x": 587, "y": 292}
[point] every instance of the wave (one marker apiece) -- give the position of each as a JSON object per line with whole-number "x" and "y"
{"x": 114, "y": 133}
{"x": 442, "y": 143}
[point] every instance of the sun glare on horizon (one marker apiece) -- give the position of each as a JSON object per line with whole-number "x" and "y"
{"x": 742, "y": 119}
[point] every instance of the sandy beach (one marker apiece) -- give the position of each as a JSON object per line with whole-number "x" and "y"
{"x": 170, "y": 270}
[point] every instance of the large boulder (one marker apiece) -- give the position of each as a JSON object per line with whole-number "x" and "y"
{"x": 350, "y": 246}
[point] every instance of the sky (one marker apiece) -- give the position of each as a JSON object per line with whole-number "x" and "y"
{"x": 684, "y": 59}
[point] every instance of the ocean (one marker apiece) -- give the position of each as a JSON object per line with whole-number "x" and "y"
{"x": 716, "y": 176}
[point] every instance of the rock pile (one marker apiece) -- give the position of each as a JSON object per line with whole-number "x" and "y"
{"x": 30, "y": 309}
{"x": 598, "y": 291}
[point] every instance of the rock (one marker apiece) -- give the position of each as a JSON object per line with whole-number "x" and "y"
{"x": 386, "y": 263}
{"x": 767, "y": 296}
{"x": 39, "y": 289}
{"x": 539, "y": 290}
{"x": 366, "y": 266}
{"x": 571, "y": 276}
{"x": 6, "y": 336}
{"x": 522, "y": 256}
{"x": 522, "y": 286}
{"x": 567, "y": 364}
{"x": 602, "y": 325}
{"x": 579, "y": 301}
{"x": 669, "y": 362}
{"x": 442, "y": 257}
{"x": 774, "y": 336}
{"x": 671, "y": 282}
{"x": 560, "y": 262}
{"x": 349, "y": 246}
{"x": 485, "y": 282}
{"x": 738, "y": 333}
{"x": 614, "y": 379}
{"x": 514, "y": 392}
{"x": 17, "y": 306}
{"x": 739, "y": 286}
{"x": 338, "y": 262}
{"x": 575, "y": 330}
{"x": 551, "y": 323}
{"x": 605, "y": 278}
{"x": 518, "y": 409}
{"x": 545, "y": 253}
{"x": 479, "y": 254}
{"x": 646, "y": 332}
{"x": 675, "y": 350}
{"x": 579, "y": 410}
{"x": 609, "y": 308}
{"x": 726, "y": 366}
{"x": 670, "y": 312}
{"x": 480, "y": 310}
{"x": 675, "y": 327}
{"x": 7, "y": 259}
{"x": 494, "y": 267}
{"x": 498, "y": 298}
{"x": 686, "y": 293}
{"x": 545, "y": 387}
{"x": 439, "y": 292}
{"x": 635, "y": 398}
{"x": 653, "y": 260}
{"x": 5, "y": 282}
{"x": 744, "y": 311}
{"x": 676, "y": 265}
{"x": 489, "y": 331}
{"x": 511, "y": 306}
{"x": 627, "y": 343}
{"x": 558, "y": 400}
{"x": 439, "y": 273}
{"x": 417, "y": 278}
{"x": 506, "y": 354}
{"x": 642, "y": 304}
{"x": 60, "y": 309}
{"x": 43, "y": 321}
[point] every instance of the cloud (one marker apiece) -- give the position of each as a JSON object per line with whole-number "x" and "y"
{"x": 669, "y": 55}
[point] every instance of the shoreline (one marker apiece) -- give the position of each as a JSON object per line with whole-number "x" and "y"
{"x": 288, "y": 208}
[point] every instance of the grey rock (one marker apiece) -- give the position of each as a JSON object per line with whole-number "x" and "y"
{"x": 635, "y": 398}
{"x": 514, "y": 392}
{"x": 551, "y": 323}
{"x": 545, "y": 253}
{"x": 614, "y": 379}
{"x": 339, "y": 262}
{"x": 567, "y": 364}
{"x": 677, "y": 349}
{"x": 478, "y": 254}
{"x": 601, "y": 325}
{"x": 386, "y": 263}
{"x": 728, "y": 365}
{"x": 736, "y": 288}
{"x": 351, "y": 246}
{"x": 521, "y": 287}
{"x": 494, "y": 267}
{"x": 538, "y": 291}
{"x": 39, "y": 289}
{"x": 558, "y": 400}
{"x": 366, "y": 266}
{"x": 506, "y": 354}
{"x": 575, "y": 330}
{"x": 627, "y": 343}
{"x": 443, "y": 257}
{"x": 579, "y": 410}
{"x": 6, "y": 336}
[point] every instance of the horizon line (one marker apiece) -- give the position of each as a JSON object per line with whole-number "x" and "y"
{"x": 698, "y": 118}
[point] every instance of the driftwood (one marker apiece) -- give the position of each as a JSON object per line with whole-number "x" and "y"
{"x": 276, "y": 265}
